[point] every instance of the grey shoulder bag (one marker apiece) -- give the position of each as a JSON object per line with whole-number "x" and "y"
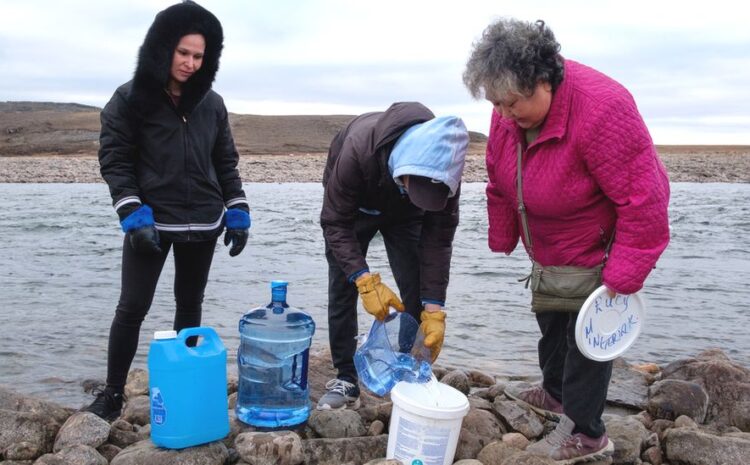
{"x": 555, "y": 288}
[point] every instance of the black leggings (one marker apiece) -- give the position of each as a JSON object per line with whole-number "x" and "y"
{"x": 579, "y": 383}
{"x": 140, "y": 273}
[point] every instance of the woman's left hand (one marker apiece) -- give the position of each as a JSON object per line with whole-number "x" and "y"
{"x": 238, "y": 239}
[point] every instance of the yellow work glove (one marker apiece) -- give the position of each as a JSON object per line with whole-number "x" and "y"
{"x": 433, "y": 328}
{"x": 377, "y": 298}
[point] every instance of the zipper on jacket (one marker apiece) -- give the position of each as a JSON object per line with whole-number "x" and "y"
{"x": 185, "y": 151}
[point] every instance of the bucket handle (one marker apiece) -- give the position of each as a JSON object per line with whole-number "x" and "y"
{"x": 210, "y": 344}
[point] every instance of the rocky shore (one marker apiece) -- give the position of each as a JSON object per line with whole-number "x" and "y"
{"x": 58, "y": 142}
{"x": 684, "y": 164}
{"x": 693, "y": 411}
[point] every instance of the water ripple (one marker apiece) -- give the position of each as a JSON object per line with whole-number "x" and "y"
{"x": 59, "y": 282}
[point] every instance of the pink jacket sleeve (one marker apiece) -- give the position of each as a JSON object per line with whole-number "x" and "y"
{"x": 502, "y": 215}
{"x": 622, "y": 159}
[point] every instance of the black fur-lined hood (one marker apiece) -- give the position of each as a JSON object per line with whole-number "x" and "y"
{"x": 156, "y": 53}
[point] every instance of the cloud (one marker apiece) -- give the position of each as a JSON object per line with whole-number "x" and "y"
{"x": 687, "y": 67}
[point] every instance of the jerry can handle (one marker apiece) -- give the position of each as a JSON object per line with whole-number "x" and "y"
{"x": 210, "y": 344}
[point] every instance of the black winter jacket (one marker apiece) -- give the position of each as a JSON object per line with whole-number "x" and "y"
{"x": 357, "y": 177}
{"x": 179, "y": 160}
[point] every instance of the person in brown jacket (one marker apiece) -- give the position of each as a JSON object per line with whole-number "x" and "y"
{"x": 396, "y": 172}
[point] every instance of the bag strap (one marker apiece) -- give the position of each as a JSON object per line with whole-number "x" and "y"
{"x": 521, "y": 206}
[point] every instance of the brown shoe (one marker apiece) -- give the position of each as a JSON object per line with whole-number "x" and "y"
{"x": 538, "y": 400}
{"x": 582, "y": 448}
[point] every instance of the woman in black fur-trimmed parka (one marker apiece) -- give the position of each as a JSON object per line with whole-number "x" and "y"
{"x": 167, "y": 154}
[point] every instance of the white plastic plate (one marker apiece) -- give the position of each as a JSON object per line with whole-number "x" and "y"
{"x": 607, "y": 327}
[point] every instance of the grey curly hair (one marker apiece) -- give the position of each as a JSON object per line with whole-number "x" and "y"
{"x": 513, "y": 57}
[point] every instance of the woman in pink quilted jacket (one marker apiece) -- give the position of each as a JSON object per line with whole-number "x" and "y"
{"x": 595, "y": 193}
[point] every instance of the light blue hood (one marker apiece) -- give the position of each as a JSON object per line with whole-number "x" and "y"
{"x": 434, "y": 149}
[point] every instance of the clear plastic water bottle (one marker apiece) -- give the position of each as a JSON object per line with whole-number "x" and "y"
{"x": 393, "y": 351}
{"x": 272, "y": 358}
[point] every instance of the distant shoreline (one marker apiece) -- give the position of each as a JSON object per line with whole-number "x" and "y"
{"x": 684, "y": 164}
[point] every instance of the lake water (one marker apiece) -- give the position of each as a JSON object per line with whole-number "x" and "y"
{"x": 60, "y": 249}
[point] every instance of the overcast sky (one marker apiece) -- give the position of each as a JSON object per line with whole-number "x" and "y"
{"x": 687, "y": 66}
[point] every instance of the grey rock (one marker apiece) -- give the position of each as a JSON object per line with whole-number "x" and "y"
{"x": 109, "y": 451}
{"x": 727, "y": 384}
{"x": 81, "y": 454}
{"x": 653, "y": 455}
{"x": 628, "y": 388}
{"x": 336, "y": 423}
{"x": 17, "y": 462}
{"x": 660, "y": 427}
{"x": 468, "y": 462}
{"x": 479, "y": 403}
{"x": 82, "y": 428}
{"x": 528, "y": 459}
{"x": 32, "y": 427}
{"x": 122, "y": 434}
{"x": 458, "y": 380}
{"x": 628, "y": 434}
{"x": 478, "y": 429}
{"x": 670, "y": 398}
{"x": 50, "y": 459}
{"x": 684, "y": 421}
{"x": 137, "y": 410}
{"x": 136, "y": 384}
{"x": 369, "y": 414}
{"x": 233, "y": 382}
{"x": 497, "y": 389}
{"x": 236, "y": 427}
{"x": 694, "y": 447}
{"x": 376, "y": 428}
{"x": 343, "y": 450}
{"x": 15, "y": 402}
{"x": 480, "y": 378}
{"x": 439, "y": 371}
{"x": 274, "y": 448}
{"x": 520, "y": 418}
{"x": 517, "y": 440}
{"x": 645, "y": 418}
{"x": 495, "y": 453}
{"x": 145, "y": 452}
{"x": 23, "y": 450}
{"x": 739, "y": 415}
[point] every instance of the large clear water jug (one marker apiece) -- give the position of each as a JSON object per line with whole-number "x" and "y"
{"x": 188, "y": 388}
{"x": 272, "y": 358}
{"x": 393, "y": 351}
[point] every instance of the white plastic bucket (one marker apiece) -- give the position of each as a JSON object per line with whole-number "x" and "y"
{"x": 425, "y": 423}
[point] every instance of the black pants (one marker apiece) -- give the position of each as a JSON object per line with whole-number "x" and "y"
{"x": 578, "y": 382}
{"x": 140, "y": 273}
{"x": 401, "y": 240}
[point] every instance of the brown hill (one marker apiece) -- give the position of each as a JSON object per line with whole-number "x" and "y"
{"x": 41, "y": 128}
{"x": 57, "y": 142}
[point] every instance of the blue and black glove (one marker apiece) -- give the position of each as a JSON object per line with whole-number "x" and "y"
{"x": 139, "y": 226}
{"x": 238, "y": 227}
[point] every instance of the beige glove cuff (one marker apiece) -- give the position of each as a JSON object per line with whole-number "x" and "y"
{"x": 367, "y": 284}
{"x": 432, "y": 316}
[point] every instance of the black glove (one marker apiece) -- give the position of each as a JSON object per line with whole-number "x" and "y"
{"x": 238, "y": 238}
{"x": 145, "y": 240}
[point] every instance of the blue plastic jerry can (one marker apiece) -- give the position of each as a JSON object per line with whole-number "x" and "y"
{"x": 188, "y": 388}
